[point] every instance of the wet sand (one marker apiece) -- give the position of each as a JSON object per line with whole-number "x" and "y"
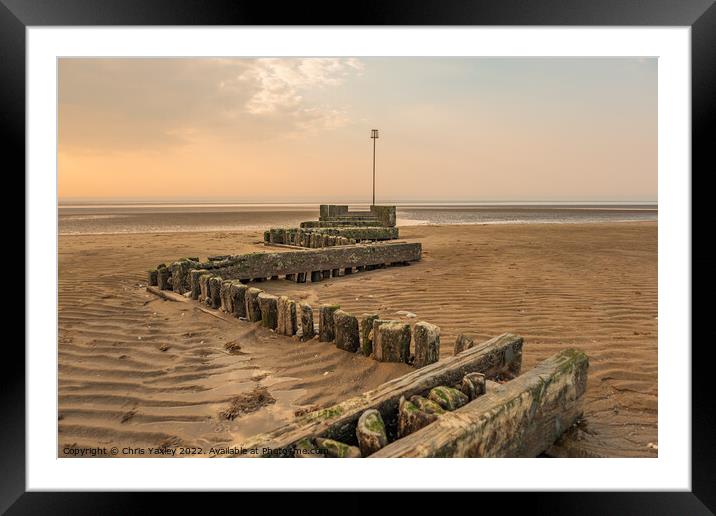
{"x": 138, "y": 371}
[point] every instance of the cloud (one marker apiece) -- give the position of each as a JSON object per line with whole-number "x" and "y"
{"x": 149, "y": 104}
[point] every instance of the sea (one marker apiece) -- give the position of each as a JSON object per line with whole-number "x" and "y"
{"x": 122, "y": 218}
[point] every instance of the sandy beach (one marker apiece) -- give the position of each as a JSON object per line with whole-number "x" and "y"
{"x": 139, "y": 371}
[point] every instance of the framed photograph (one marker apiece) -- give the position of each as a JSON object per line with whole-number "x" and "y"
{"x": 451, "y": 240}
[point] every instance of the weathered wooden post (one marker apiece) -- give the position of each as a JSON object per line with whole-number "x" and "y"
{"x": 463, "y": 342}
{"x": 215, "y": 291}
{"x": 346, "y": 329}
{"x": 163, "y": 275}
{"x": 269, "y": 310}
{"x": 204, "y": 288}
{"x": 307, "y": 331}
{"x": 427, "y": 343}
{"x": 253, "y": 311}
{"x": 391, "y": 341}
{"x": 225, "y": 296}
{"x": 291, "y": 321}
{"x": 366, "y": 336}
{"x": 281, "y": 308}
{"x": 238, "y": 298}
{"x": 326, "y": 325}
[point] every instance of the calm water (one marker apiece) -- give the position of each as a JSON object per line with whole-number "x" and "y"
{"x": 161, "y": 218}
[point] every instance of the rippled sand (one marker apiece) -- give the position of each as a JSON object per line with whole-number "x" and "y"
{"x": 138, "y": 371}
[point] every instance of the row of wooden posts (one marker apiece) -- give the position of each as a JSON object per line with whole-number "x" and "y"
{"x": 304, "y": 238}
{"x": 384, "y": 340}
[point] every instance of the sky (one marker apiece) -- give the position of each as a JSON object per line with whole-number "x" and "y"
{"x": 298, "y": 129}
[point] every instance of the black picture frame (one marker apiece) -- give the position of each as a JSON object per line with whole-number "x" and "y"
{"x": 700, "y": 15}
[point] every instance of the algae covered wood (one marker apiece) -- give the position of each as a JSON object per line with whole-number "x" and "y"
{"x": 264, "y": 265}
{"x": 493, "y": 357}
{"x": 520, "y": 418}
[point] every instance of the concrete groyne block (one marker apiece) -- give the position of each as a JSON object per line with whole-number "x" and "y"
{"x": 346, "y": 331}
{"x": 326, "y": 324}
{"x": 268, "y": 305}
{"x": 391, "y": 341}
{"x": 427, "y": 343}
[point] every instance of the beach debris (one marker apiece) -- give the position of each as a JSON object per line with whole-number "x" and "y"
{"x": 337, "y": 449}
{"x": 370, "y": 432}
{"x": 391, "y": 341}
{"x": 473, "y": 385}
{"x": 427, "y": 343}
{"x": 406, "y": 313}
{"x": 346, "y": 330}
{"x": 233, "y": 346}
{"x": 246, "y": 403}
{"x": 326, "y": 325}
{"x": 448, "y": 397}
{"x": 411, "y": 418}
{"x": 653, "y": 446}
{"x": 127, "y": 416}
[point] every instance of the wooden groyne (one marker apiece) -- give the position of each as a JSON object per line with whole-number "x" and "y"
{"x": 498, "y": 357}
{"x": 521, "y": 418}
{"x": 328, "y": 236}
{"x": 293, "y": 265}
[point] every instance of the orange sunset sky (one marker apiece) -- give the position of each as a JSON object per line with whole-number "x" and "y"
{"x": 297, "y": 129}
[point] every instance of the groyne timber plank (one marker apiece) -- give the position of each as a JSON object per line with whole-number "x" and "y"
{"x": 264, "y": 265}
{"x": 499, "y": 355}
{"x": 520, "y": 418}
